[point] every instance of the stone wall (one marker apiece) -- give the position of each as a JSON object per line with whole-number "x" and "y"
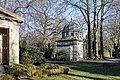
{"x": 13, "y": 40}
{"x": 74, "y": 51}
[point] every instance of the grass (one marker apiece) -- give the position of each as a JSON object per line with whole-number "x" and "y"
{"x": 88, "y": 71}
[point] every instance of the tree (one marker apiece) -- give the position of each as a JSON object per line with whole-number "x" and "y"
{"x": 46, "y": 18}
{"x": 86, "y": 14}
{"x": 95, "y": 29}
{"x": 103, "y": 18}
{"x": 88, "y": 24}
{"x": 112, "y": 28}
{"x": 101, "y": 29}
{"x": 43, "y": 20}
{"x": 3, "y": 3}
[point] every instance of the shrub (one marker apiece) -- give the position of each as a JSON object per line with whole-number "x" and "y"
{"x": 17, "y": 70}
{"x": 49, "y": 66}
{"x": 63, "y": 56}
{"x": 50, "y": 52}
{"x": 20, "y": 70}
{"x": 30, "y": 55}
{"x": 58, "y": 71}
{"x": 24, "y": 71}
{"x": 7, "y": 77}
{"x": 40, "y": 73}
{"x": 53, "y": 69}
{"x": 31, "y": 69}
{"x": 53, "y": 51}
{"x": 47, "y": 72}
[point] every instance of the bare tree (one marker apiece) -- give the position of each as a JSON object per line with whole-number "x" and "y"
{"x": 42, "y": 17}
{"x": 112, "y": 28}
{"x": 46, "y": 19}
{"x": 101, "y": 29}
{"x": 88, "y": 24}
{"x": 95, "y": 29}
{"x": 3, "y": 3}
{"x": 86, "y": 14}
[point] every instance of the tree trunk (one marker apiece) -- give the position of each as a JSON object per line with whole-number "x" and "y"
{"x": 101, "y": 30}
{"x": 88, "y": 24}
{"x": 94, "y": 30}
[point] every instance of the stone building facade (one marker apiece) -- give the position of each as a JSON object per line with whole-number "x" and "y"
{"x": 9, "y": 37}
{"x": 71, "y": 42}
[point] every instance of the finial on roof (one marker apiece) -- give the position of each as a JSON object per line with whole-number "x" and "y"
{"x": 71, "y": 19}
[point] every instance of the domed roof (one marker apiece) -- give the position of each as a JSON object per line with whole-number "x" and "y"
{"x": 71, "y": 26}
{"x": 71, "y": 30}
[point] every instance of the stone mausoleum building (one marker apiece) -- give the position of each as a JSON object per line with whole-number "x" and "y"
{"x": 9, "y": 37}
{"x": 71, "y": 42}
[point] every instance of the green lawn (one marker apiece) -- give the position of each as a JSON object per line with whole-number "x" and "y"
{"x": 88, "y": 71}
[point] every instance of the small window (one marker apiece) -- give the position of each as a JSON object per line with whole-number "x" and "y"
{"x": 72, "y": 34}
{"x": 76, "y": 34}
{"x": 67, "y": 34}
{"x": 64, "y": 34}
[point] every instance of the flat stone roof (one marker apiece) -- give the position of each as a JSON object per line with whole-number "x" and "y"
{"x": 8, "y": 15}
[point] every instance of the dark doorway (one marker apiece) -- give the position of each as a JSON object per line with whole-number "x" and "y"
{"x": 4, "y": 46}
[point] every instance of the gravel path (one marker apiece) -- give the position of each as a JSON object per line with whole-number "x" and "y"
{"x": 109, "y": 61}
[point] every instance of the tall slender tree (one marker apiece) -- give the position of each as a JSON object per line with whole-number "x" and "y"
{"x": 88, "y": 24}
{"x": 94, "y": 29}
{"x": 101, "y": 29}
{"x": 85, "y": 11}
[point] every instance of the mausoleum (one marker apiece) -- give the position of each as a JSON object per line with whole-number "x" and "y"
{"x": 71, "y": 42}
{"x": 9, "y": 37}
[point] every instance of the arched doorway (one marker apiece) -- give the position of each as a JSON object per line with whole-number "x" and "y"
{"x": 4, "y": 46}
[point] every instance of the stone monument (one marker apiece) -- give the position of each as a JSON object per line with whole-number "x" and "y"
{"x": 71, "y": 41}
